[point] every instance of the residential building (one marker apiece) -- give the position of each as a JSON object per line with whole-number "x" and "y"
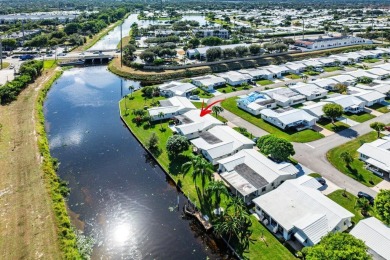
{"x": 176, "y": 88}
{"x": 235, "y": 78}
{"x": 170, "y": 108}
{"x": 344, "y": 79}
{"x": 375, "y": 235}
{"x": 286, "y": 118}
{"x": 257, "y": 74}
{"x": 370, "y": 97}
{"x": 385, "y": 66}
{"x": 217, "y": 32}
{"x": 220, "y": 142}
{"x": 315, "y": 109}
{"x": 357, "y": 74}
{"x": 349, "y": 103}
{"x": 343, "y": 59}
{"x": 310, "y": 91}
{"x": 255, "y": 102}
{"x": 331, "y": 42}
{"x": 209, "y": 82}
{"x": 381, "y": 87}
{"x": 298, "y": 209}
{"x": 328, "y": 62}
{"x": 191, "y": 124}
{"x": 277, "y": 70}
{"x": 380, "y": 73}
{"x": 376, "y": 156}
{"x": 295, "y": 67}
{"x": 326, "y": 83}
{"x": 312, "y": 63}
{"x": 285, "y": 97}
{"x": 250, "y": 174}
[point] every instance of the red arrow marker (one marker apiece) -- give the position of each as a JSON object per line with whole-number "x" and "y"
{"x": 205, "y": 111}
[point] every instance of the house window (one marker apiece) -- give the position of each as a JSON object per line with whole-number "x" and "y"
{"x": 263, "y": 189}
{"x": 272, "y": 184}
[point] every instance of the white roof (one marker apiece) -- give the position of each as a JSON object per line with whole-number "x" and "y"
{"x": 366, "y": 95}
{"x": 353, "y": 55}
{"x": 378, "y": 71}
{"x": 209, "y": 80}
{"x": 378, "y": 151}
{"x": 314, "y": 63}
{"x": 346, "y": 101}
{"x": 289, "y": 116}
{"x": 385, "y": 66}
{"x": 283, "y": 94}
{"x": 315, "y": 109}
{"x": 276, "y": 69}
{"x": 178, "y": 88}
{"x": 295, "y": 204}
{"x": 171, "y": 105}
{"x": 308, "y": 89}
{"x": 361, "y": 73}
{"x": 323, "y": 83}
{"x": 199, "y": 123}
{"x": 326, "y": 60}
{"x": 229, "y": 141}
{"x": 234, "y": 76}
{"x": 255, "y": 72}
{"x": 203, "y": 50}
{"x": 343, "y": 78}
{"x": 340, "y": 58}
{"x": 296, "y": 66}
{"x": 375, "y": 234}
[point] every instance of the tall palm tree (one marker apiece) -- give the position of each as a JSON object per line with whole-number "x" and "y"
{"x": 131, "y": 89}
{"x": 217, "y": 188}
{"x": 217, "y": 110}
{"x": 161, "y": 116}
{"x": 201, "y": 168}
{"x": 227, "y": 225}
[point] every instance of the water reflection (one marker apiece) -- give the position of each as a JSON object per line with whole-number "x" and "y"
{"x": 119, "y": 194}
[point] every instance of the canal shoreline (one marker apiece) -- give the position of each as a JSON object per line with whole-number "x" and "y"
{"x": 66, "y": 234}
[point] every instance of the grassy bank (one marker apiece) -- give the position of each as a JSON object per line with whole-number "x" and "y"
{"x": 356, "y": 170}
{"x": 153, "y": 77}
{"x": 5, "y": 65}
{"x": 300, "y": 137}
{"x": 54, "y": 186}
{"x": 257, "y": 248}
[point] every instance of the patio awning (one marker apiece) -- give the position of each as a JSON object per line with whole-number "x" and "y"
{"x": 378, "y": 164}
{"x": 300, "y": 238}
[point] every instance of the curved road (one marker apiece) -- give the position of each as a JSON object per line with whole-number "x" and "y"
{"x": 313, "y": 154}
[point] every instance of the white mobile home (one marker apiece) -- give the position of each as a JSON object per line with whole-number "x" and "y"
{"x": 376, "y": 156}
{"x": 235, "y": 78}
{"x": 255, "y": 102}
{"x": 170, "y": 107}
{"x": 285, "y": 97}
{"x": 289, "y": 118}
{"x": 209, "y": 82}
{"x": 370, "y": 97}
{"x": 349, "y": 103}
{"x": 310, "y": 91}
{"x": 176, "y": 88}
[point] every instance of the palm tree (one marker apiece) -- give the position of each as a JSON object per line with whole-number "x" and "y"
{"x": 201, "y": 167}
{"x": 131, "y": 89}
{"x": 364, "y": 205}
{"x": 304, "y": 77}
{"x": 227, "y": 225}
{"x": 161, "y": 116}
{"x": 347, "y": 158}
{"x": 217, "y": 110}
{"x": 217, "y": 188}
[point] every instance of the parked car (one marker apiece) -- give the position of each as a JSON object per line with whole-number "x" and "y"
{"x": 319, "y": 69}
{"x": 362, "y": 194}
{"x": 322, "y": 181}
{"x": 194, "y": 97}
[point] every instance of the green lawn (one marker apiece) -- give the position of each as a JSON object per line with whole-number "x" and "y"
{"x": 348, "y": 202}
{"x": 204, "y": 94}
{"x": 300, "y": 137}
{"x": 357, "y": 170}
{"x": 246, "y": 133}
{"x": 293, "y": 76}
{"x": 257, "y": 248}
{"x": 220, "y": 118}
{"x": 371, "y": 60}
{"x": 315, "y": 175}
{"x": 264, "y": 82}
{"x": 228, "y": 88}
{"x": 5, "y": 65}
{"x": 337, "y": 127}
{"x": 48, "y": 64}
{"x": 360, "y": 117}
{"x": 331, "y": 69}
{"x": 312, "y": 73}
{"x": 380, "y": 108}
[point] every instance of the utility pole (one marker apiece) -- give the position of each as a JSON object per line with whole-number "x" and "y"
{"x": 121, "y": 45}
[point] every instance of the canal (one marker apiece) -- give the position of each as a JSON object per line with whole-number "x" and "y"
{"x": 118, "y": 193}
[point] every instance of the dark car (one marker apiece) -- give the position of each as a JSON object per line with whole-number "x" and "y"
{"x": 321, "y": 180}
{"x": 362, "y": 194}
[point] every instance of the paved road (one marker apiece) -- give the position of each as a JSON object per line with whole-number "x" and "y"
{"x": 313, "y": 154}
